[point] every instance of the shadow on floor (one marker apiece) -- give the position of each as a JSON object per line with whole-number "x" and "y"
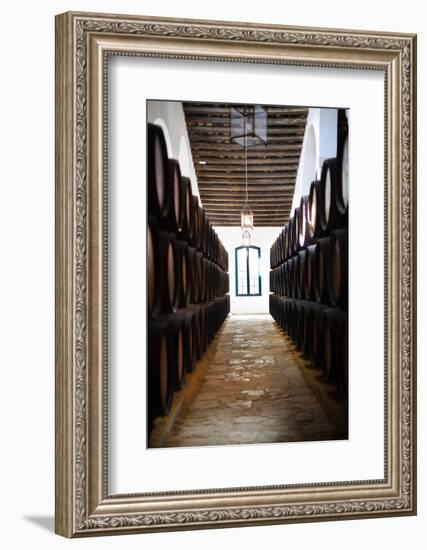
{"x": 44, "y": 522}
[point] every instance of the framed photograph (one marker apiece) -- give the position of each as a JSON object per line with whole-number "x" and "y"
{"x": 235, "y": 274}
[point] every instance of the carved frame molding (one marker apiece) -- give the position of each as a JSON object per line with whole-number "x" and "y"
{"x": 83, "y": 43}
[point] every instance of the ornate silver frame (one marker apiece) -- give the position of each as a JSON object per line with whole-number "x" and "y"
{"x": 83, "y": 506}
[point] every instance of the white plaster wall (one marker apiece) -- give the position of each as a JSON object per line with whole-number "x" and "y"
{"x": 170, "y": 116}
{"x": 263, "y": 237}
{"x": 319, "y": 143}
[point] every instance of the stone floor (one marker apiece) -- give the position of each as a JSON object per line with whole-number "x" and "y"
{"x": 255, "y": 387}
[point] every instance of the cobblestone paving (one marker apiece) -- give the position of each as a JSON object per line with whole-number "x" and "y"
{"x": 258, "y": 389}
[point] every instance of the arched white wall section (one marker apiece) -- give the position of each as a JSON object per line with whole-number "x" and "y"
{"x": 308, "y": 166}
{"x": 319, "y": 143}
{"x": 328, "y": 122}
{"x": 169, "y": 115}
{"x": 185, "y": 162}
{"x": 160, "y": 122}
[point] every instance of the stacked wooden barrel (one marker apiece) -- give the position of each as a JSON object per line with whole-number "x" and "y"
{"x": 187, "y": 277}
{"x": 309, "y": 273}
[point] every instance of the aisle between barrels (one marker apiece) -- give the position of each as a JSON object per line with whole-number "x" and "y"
{"x": 255, "y": 388}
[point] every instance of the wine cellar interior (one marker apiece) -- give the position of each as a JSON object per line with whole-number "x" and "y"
{"x": 247, "y": 274}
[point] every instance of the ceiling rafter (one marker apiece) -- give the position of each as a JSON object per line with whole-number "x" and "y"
{"x": 220, "y": 164}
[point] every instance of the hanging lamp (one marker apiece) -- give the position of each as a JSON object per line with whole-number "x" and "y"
{"x": 248, "y": 126}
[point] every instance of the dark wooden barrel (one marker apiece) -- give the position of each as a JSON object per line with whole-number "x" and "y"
{"x": 281, "y": 243}
{"x": 290, "y": 236}
{"x": 291, "y": 276}
{"x": 272, "y": 305}
{"x": 175, "y": 218}
{"x": 201, "y": 224}
{"x": 282, "y": 317}
{"x": 283, "y": 279}
{"x": 183, "y": 266}
{"x": 284, "y": 238}
{"x": 279, "y": 280}
{"x": 287, "y": 241}
{"x": 307, "y": 327}
{"x": 315, "y": 348}
{"x": 282, "y": 302}
{"x": 204, "y": 337}
{"x": 291, "y": 317}
{"x": 214, "y": 280}
{"x": 227, "y": 282}
{"x": 302, "y": 274}
{"x": 154, "y": 272}
{"x": 210, "y": 321}
{"x": 292, "y": 323}
{"x": 193, "y": 283}
{"x": 185, "y": 194}
{"x": 175, "y": 337}
{"x": 209, "y": 280}
{"x": 221, "y": 282}
{"x": 332, "y": 335}
{"x": 338, "y": 271}
{"x": 207, "y": 237}
{"x": 191, "y": 222}
{"x": 221, "y": 255}
{"x": 197, "y": 296}
{"x": 310, "y": 270}
{"x": 159, "y": 394}
{"x": 211, "y": 242}
{"x": 224, "y": 258}
{"x": 276, "y": 253}
{"x": 305, "y": 233}
{"x": 322, "y": 266}
{"x": 299, "y": 330}
{"x": 189, "y": 339}
{"x": 276, "y": 280}
{"x": 169, "y": 266}
{"x": 276, "y": 308}
{"x": 294, "y": 231}
{"x": 287, "y": 278}
{"x": 313, "y": 210}
{"x": 195, "y": 222}
{"x": 157, "y": 173}
{"x": 218, "y": 313}
{"x": 288, "y": 282}
{"x": 296, "y": 276}
{"x": 329, "y": 212}
{"x": 214, "y": 246}
{"x": 200, "y": 327}
{"x": 204, "y": 280}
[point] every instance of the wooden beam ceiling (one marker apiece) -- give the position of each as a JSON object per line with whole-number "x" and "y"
{"x": 220, "y": 163}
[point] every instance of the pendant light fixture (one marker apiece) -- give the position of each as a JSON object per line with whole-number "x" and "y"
{"x": 248, "y": 126}
{"x": 246, "y": 238}
{"x": 247, "y": 217}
